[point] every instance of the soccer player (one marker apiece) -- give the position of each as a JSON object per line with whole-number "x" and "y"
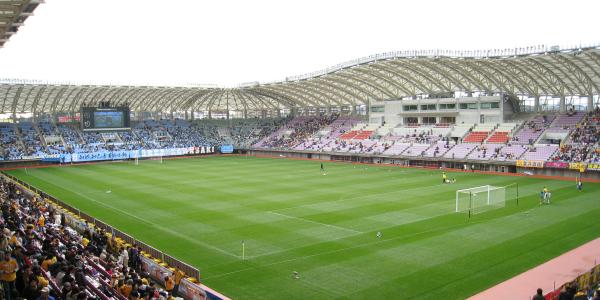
{"x": 547, "y": 195}
{"x": 322, "y": 168}
{"x": 579, "y": 185}
{"x": 542, "y": 196}
{"x": 444, "y": 177}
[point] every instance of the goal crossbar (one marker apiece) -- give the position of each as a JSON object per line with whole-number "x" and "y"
{"x": 477, "y": 199}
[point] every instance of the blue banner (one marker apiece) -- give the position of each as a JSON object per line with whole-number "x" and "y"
{"x": 227, "y": 149}
{"x": 126, "y": 154}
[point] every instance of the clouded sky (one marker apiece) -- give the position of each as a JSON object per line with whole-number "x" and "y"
{"x": 232, "y": 42}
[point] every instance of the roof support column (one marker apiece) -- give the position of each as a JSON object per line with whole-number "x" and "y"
{"x": 368, "y": 111}
{"x": 562, "y": 104}
{"x": 209, "y": 114}
{"x": 192, "y": 113}
{"x": 590, "y": 102}
{"x": 536, "y": 104}
{"x": 245, "y": 114}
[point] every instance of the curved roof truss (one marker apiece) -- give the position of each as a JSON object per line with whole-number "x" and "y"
{"x": 532, "y": 71}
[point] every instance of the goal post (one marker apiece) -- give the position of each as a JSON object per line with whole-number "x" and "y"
{"x": 479, "y": 199}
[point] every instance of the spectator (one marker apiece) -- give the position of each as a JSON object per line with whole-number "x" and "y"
{"x": 539, "y": 295}
{"x": 8, "y": 274}
{"x": 45, "y": 294}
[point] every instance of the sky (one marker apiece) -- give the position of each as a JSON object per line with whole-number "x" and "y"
{"x": 230, "y": 42}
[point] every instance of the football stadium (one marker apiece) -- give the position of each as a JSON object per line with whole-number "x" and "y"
{"x": 413, "y": 174}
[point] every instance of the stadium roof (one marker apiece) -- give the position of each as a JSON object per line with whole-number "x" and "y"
{"x": 533, "y": 71}
{"x": 13, "y": 14}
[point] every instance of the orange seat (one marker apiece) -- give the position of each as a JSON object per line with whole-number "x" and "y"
{"x": 476, "y": 137}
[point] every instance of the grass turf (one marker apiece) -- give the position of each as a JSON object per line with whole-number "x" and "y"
{"x": 293, "y": 218}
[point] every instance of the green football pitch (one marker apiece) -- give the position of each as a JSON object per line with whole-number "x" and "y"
{"x": 294, "y": 218}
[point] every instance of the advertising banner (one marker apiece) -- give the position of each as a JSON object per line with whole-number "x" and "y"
{"x": 227, "y": 149}
{"x": 557, "y": 164}
{"x": 530, "y": 163}
{"x": 593, "y": 166}
{"x": 124, "y": 154}
{"x": 577, "y": 166}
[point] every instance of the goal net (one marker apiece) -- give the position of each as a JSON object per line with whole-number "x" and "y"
{"x": 480, "y": 199}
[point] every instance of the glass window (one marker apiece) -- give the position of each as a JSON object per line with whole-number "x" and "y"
{"x": 377, "y": 108}
{"x": 468, "y": 106}
{"x": 411, "y": 120}
{"x": 409, "y": 107}
{"x": 428, "y": 107}
{"x": 489, "y": 105}
{"x": 428, "y": 120}
{"x": 448, "y": 120}
{"x": 548, "y": 103}
{"x": 448, "y": 106}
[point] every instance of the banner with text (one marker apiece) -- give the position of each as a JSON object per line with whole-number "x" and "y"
{"x": 530, "y": 163}
{"x": 557, "y": 164}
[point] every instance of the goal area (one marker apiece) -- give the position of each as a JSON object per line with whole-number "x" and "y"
{"x": 480, "y": 199}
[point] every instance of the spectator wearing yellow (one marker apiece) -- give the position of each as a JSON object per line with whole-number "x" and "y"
{"x": 85, "y": 241}
{"x": 179, "y": 275}
{"x": 8, "y": 275}
{"x": 46, "y": 263}
{"x": 126, "y": 288}
{"x": 169, "y": 283}
{"x": 41, "y": 222}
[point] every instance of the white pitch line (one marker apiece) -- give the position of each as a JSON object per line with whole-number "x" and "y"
{"x": 342, "y": 249}
{"x": 315, "y": 222}
{"x": 159, "y": 227}
{"x": 341, "y": 199}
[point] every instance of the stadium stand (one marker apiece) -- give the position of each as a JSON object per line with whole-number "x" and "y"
{"x": 479, "y": 133}
{"x": 63, "y": 253}
{"x": 532, "y": 129}
{"x": 570, "y": 137}
{"x": 54, "y": 259}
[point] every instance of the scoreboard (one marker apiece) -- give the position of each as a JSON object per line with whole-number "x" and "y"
{"x": 105, "y": 118}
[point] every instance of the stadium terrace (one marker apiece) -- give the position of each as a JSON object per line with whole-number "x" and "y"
{"x": 323, "y": 185}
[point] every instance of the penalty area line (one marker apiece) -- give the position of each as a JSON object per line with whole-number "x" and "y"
{"x": 315, "y": 222}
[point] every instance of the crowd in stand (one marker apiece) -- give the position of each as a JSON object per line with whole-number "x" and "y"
{"x": 272, "y": 133}
{"x": 582, "y": 146}
{"x": 248, "y": 133}
{"x": 537, "y": 127}
{"x": 423, "y": 137}
{"x": 42, "y": 258}
{"x": 18, "y": 144}
{"x": 301, "y": 130}
{"x": 573, "y": 291}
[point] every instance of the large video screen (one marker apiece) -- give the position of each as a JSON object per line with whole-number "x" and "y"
{"x": 109, "y": 119}
{"x": 115, "y": 118}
